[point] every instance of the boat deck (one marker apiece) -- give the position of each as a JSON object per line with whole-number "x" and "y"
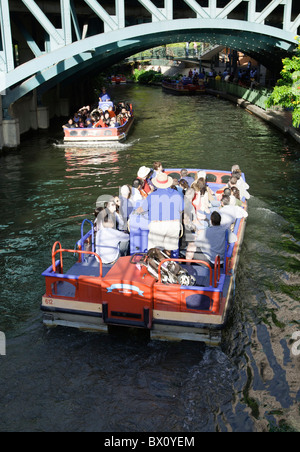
{"x": 91, "y": 267}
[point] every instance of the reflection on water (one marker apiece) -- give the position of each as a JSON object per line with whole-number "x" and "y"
{"x": 71, "y": 381}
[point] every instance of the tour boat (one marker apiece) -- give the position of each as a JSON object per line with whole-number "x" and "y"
{"x": 99, "y": 134}
{"x": 180, "y": 87}
{"x": 118, "y": 80}
{"x": 93, "y": 296}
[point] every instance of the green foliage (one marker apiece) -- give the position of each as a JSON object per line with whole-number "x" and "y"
{"x": 137, "y": 73}
{"x": 287, "y": 92}
{"x": 146, "y": 77}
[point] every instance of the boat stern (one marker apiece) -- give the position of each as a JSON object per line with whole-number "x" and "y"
{"x": 127, "y": 293}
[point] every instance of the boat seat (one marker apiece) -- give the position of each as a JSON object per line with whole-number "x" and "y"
{"x": 89, "y": 267}
{"x": 215, "y": 187}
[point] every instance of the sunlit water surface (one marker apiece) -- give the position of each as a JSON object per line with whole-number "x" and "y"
{"x": 66, "y": 380}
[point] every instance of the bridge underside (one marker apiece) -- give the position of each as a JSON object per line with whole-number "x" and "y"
{"x": 98, "y": 52}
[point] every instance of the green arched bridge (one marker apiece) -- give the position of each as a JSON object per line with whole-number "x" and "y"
{"x": 46, "y": 42}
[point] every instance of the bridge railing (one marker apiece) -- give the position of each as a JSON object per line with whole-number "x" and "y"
{"x": 174, "y": 52}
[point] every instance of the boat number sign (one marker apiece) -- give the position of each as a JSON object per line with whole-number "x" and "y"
{"x": 125, "y": 288}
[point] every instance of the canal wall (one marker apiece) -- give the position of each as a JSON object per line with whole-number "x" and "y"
{"x": 254, "y": 102}
{"x": 30, "y": 113}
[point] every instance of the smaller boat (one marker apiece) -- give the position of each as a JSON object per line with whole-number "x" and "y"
{"x": 184, "y": 86}
{"x": 99, "y": 134}
{"x": 118, "y": 80}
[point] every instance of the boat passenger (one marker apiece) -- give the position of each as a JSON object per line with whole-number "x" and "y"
{"x": 201, "y": 200}
{"x": 111, "y": 112}
{"x": 235, "y": 198}
{"x": 70, "y": 125}
{"x": 210, "y": 242}
{"x": 232, "y": 182}
{"x": 236, "y": 181}
{"x": 120, "y": 119}
{"x": 143, "y": 174}
{"x": 184, "y": 175}
{"x": 230, "y": 213}
{"x": 191, "y": 223}
{"x": 241, "y": 184}
{"x": 110, "y": 242}
{"x": 126, "y": 203}
{"x": 76, "y": 118}
{"x": 157, "y": 168}
{"x": 164, "y": 207}
{"x": 182, "y": 187}
{"x": 137, "y": 193}
{"x": 100, "y": 122}
{"x": 112, "y": 122}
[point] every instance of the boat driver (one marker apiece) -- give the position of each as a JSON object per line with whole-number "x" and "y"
{"x": 104, "y": 97}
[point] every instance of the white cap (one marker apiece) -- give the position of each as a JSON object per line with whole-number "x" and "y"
{"x": 143, "y": 172}
{"x": 201, "y": 174}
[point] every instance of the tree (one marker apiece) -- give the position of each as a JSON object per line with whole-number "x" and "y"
{"x": 287, "y": 91}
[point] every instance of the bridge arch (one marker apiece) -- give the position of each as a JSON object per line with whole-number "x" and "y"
{"x": 263, "y": 29}
{"x": 266, "y": 44}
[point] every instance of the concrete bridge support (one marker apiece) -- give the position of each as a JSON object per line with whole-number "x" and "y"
{"x": 27, "y": 114}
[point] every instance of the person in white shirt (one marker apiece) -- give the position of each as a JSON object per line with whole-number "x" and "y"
{"x": 230, "y": 213}
{"x": 241, "y": 184}
{"x": 110, "y": 242}
{"x": 210, "y": 242}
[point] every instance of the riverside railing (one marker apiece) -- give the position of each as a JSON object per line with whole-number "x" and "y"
{"x": 173, "y": 53}
{"x": 257, "y": 97}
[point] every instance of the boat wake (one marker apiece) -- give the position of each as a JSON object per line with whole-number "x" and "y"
{"x": 58, "y": 144}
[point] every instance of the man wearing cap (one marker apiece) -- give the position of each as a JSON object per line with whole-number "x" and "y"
{"x": 165, "y": 207}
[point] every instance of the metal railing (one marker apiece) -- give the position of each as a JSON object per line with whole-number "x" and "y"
{"x": 257, "y": 97}
{"x": 173, "y": 53}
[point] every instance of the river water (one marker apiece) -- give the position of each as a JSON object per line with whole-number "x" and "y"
{"x": 66, "y": 380}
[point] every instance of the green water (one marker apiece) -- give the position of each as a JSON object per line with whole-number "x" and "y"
{"x": 66, "y": 380}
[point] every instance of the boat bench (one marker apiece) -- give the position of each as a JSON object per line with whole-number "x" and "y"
{"x": 89, "y": 267}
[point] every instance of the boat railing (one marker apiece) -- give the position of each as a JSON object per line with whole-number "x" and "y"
{"x": 57, "y": 266}
{"x": 217, "y": 272}
{"x": 85, "y": 237}
{"x": 229, "y": 247}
